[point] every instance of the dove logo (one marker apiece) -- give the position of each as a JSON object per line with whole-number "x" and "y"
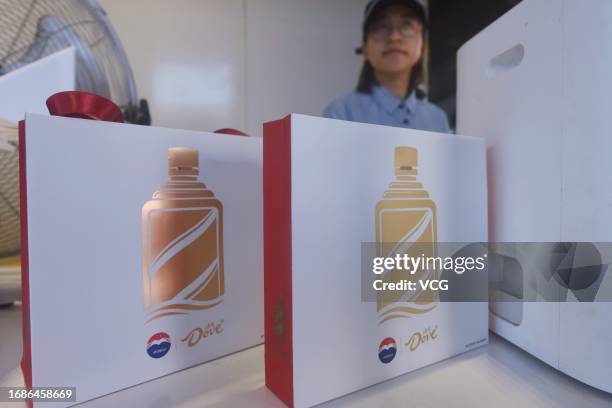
{"x": 158, "y": 345}
{"x": 387, "y": 350}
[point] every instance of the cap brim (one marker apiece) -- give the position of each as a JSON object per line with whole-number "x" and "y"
{"x": 379, "y": 5}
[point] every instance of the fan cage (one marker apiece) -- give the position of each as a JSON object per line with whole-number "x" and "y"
{"x": 18, "y": 28}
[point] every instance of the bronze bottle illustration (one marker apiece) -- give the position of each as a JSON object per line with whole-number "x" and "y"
{"x": 182, "y": 242}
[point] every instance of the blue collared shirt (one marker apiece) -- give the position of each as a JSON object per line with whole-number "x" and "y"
{"x": 381, "y": 107}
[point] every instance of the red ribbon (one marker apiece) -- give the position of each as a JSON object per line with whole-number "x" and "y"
{"x": 84, "y": 105}
{"x": 229, "y": 131}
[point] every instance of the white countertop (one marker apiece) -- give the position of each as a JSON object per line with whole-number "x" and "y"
{"x": 498, "y": 375}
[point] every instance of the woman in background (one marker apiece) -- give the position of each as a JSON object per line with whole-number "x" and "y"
{"x": 387, "y": 94}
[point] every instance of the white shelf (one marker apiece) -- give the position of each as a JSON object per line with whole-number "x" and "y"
{"x": 498, "y": 375}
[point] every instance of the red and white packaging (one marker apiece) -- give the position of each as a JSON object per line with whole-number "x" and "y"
{"x": 141, "y": 248}
{"x": 324, "y": 184}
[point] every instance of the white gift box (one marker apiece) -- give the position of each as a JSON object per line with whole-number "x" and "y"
{"x": 330, "y": 186}
{"x": 25, "y": 89}
{"x": 536, "y": 85}
{"x": 143, "y": 251}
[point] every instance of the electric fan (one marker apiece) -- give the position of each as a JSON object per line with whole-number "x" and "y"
{"x": 29, "y": 31}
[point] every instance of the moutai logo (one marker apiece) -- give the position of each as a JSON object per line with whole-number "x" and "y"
{"x": 387, "y": 350}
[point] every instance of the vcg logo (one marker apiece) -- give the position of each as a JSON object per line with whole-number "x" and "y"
{"x": 387, "y": 350}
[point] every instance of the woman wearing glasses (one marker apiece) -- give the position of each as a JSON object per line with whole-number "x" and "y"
{"x": 387, "y": 93}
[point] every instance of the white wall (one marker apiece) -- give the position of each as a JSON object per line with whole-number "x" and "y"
{"x": 207, "y": 64}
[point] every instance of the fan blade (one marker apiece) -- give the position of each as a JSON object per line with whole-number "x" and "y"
{"x": 53, "y": 35}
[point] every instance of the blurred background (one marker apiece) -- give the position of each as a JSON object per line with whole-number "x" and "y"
{"x": 207, "y": 64}
{"x": 210, "y": 64}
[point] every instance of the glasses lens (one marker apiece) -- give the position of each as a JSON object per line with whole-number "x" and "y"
{"x": 383, "y": 30}
{"x": 407, "y": 29}
{"x": 380, "y": 31}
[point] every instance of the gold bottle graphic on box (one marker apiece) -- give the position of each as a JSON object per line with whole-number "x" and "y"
{"x": 406, "y": 224}
{"x": 182, "y": 236}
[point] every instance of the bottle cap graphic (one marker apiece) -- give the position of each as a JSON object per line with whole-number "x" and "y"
{"x": 405, "y": 160}
{"x": 182, "y": 161}
{"x": 84, "y": 105}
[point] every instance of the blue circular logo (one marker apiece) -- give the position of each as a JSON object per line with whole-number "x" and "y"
{"x": 158, "y": 345}
{"x": 387, "y": 350}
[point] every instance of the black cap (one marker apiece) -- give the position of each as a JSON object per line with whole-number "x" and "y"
{"x": 374, "y": 6}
